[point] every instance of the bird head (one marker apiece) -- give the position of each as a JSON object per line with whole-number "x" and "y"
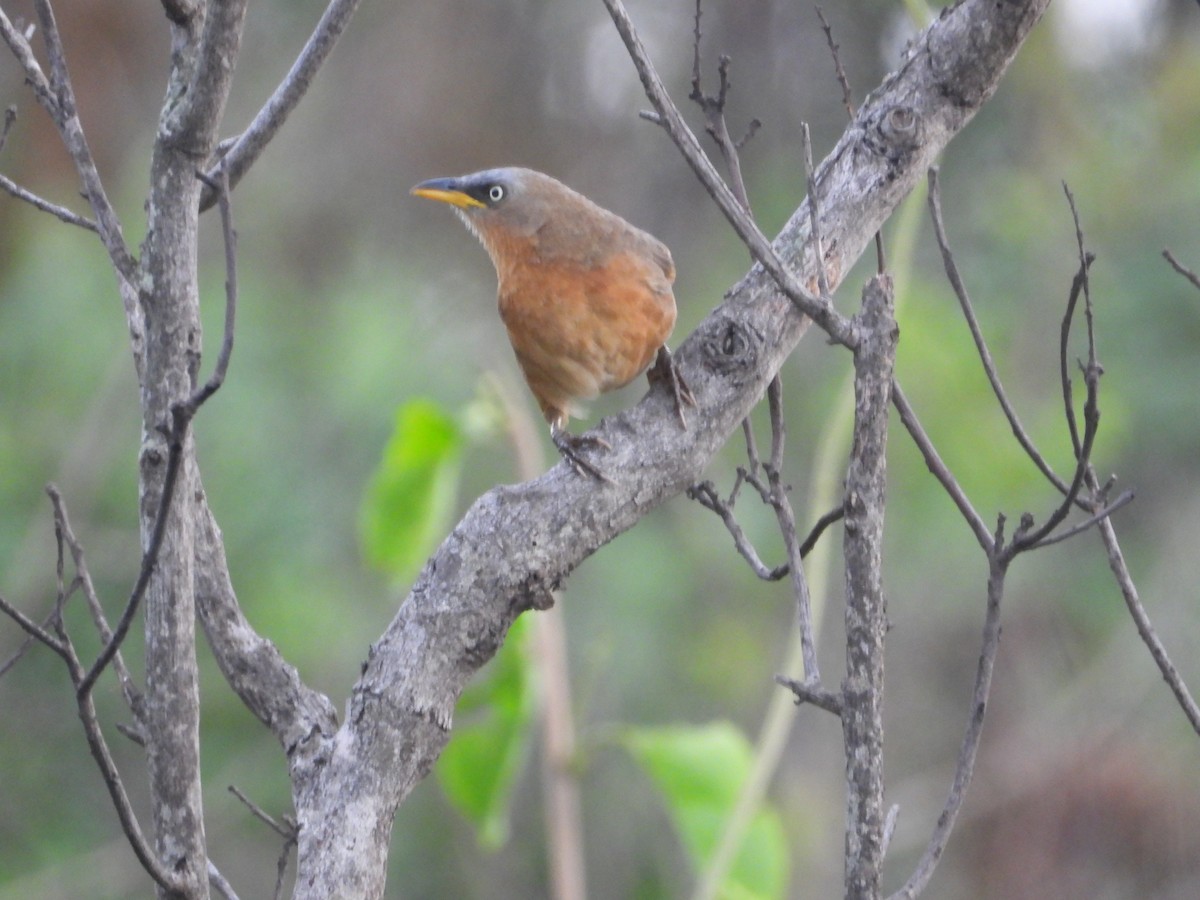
{"x": 510, "y": 200}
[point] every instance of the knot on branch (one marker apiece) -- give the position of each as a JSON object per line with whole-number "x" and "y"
{"x": 894, "y": 132}
{"x": 731, "y": 348}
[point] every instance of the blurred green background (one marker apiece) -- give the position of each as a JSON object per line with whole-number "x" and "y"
{"x": 356, "y": 297}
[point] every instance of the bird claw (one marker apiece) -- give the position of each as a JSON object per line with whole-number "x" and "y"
{"x": 665, "y": 369}
{"x": 569, "y": 445}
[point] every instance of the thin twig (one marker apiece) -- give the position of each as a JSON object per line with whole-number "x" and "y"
{"x": 221, "y": 184}
{"x": 249, "y": 145}
{"x": 220, "y": 883}
{"x": 787, "y": 527}
{"x": 181, "y": 417}
{"x": 34, "y": 76}
{"x": 818, "y": 696}
{"x": 819, "y": 309}
{"x": 1141, "y": 619}
{"x": 981, "y": 347}
{"x": 1080, "y": 284}
{"x": 33, "y": 629}
{"x": 1182, "y": 269}
{"x": 66, "y": 117}
{"x": 63, "y": 524}
{"x": 289, "y": 831}
{"x": 1024, "y": 538}
{"x": 847, "y": 94}
{"x": 866, "y": 604}
{"x": 59, "y": 212}
{"x": 939, "y": 469}
{"x": 261, "y": 814}
{"x": 834, "y": 515}
{"x": 713, "y": 107}
{"x": 10, "y": 116}
{"x": 705, "y": 494}
{"x": 965, "y": 765}
{"x": 1124, "y": 499}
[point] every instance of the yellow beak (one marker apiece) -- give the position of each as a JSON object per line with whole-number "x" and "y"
{"x": 446, "y": 191}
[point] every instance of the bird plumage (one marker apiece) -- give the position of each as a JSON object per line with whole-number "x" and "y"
{"x": 585, "y": 296}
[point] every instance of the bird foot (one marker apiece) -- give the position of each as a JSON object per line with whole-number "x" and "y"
{"x": 665, "y": 369}
{"x": 569, "y": 445}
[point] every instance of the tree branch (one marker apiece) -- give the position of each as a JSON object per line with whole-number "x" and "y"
{"x": 819, "y": 309}
{"x": 242, "y": 153}
{"x": 965, "y": 766}
{"x": 516, "y": 542}
{"x": 866, "y": 608}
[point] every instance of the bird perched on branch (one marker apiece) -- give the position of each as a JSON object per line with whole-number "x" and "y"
{"x": 585, "y": 296}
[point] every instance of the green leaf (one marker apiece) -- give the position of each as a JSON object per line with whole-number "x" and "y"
{"x": 479, "y": 767}
{"x": 699, "y": 771}
{"x": 411, "y": 495}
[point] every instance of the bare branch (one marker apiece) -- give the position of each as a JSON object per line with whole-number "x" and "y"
{"x": 1182, "y": 269}
{"x": 965, "y": 766}
{"x": 787, "y": 527}
{"x": 112, "y": 780}
{"x": 60, "y": 212}
{"x": 215, "y": 879}
{"x": 64, "y": 214}
{"x": 34, "y": 76}
{"x": 866, "y": 606}
{"x": 246, "y": 149}
{"x": 834, "y": 515}
{"x": 288, "y": 833}
{"x": 63, "y": 526}
{"x": 843, "y": 81}
{"x": 181, "y": 418}
{"x": 33, "y": 629}
{"x": 1124, "y": 499}
{"x": 149, "y": 559}
{"x": 806, "y": 692}
{"x": 819, "y": 309}
{"x": 713, "y": 107}
{"x": 938, "y": 468}
{"x": 221, "y": 185}
{"x": 1141, "y": 619}
{"x": 66, "y": 117}
{"x": 985, "y": 356}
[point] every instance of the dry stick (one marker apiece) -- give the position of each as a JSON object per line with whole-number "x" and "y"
{"x": 866, "y": 607}
{"x": 713, "y": 106}
{"x": 1141, "y": 620}
{"x": 847, "y": 94}
{"x": 985, "y": 356}
{"x": 1182, "y": 269}
{"x": 241, "y": 153}
{"x": 787, "y": 527}
{"x": 133, "y": 697}
{"x": 819, "y": 309}
{"x": 289, "y": 831}
{"x": 965, "y": 766}
{"x": 939, "y": 469}
{"x": 66, "y": 117}
{"x": 220, "y": 883}
{"x": 64, "y": 214}
{"x": 18, "y": 44}
{"x": 1123, "y": 499}
{"x": 181, "y": 417}
{"x": 91, "y": 727}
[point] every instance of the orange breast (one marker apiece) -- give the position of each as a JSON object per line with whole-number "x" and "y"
{"x": 581, "y": 330}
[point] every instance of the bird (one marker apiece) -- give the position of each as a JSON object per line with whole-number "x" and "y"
{"x": 585, "y": 296}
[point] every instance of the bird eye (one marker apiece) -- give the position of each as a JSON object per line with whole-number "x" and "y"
{"x": 496, "y": 193}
